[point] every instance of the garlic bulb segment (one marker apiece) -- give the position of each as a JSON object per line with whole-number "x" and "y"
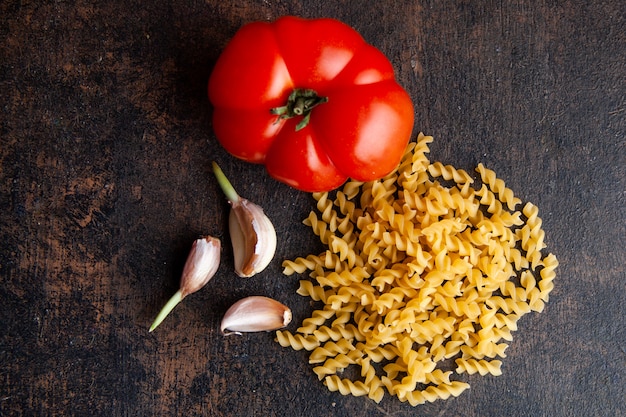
{"x": 255, "y": 314}
{"x": 253, "y": 238}
{"x": 201, "y": 265}
{"x": 252, "y": 233}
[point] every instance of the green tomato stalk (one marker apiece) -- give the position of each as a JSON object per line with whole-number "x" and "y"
{"x": 299, "y": 103}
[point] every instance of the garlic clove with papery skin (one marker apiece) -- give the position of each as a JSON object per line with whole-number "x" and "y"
{"x": 253, "y": 238}
{"x": 255, "y": 314}
{"x": 201, "y": 265}
{"x": 252, "y": 233}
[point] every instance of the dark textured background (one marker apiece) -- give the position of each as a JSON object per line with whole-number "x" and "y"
{"x": 105, "y": 151}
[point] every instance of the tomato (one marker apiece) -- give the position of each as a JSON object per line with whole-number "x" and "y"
{"x": 311, "y": 100}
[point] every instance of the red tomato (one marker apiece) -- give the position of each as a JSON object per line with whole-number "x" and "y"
{"x": 312, "y": 101}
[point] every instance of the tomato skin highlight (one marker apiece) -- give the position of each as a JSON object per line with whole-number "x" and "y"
{"x": 250, "y": 72}
{"x": 359, "y": 130}
{"x": 369, "y": 115}
{"x": 298, "y": 159}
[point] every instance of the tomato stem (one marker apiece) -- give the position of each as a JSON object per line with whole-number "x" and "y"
{"x": 299, "y": 103}
{"x": 298, "y": 108}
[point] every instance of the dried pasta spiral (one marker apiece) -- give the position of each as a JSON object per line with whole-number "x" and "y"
{"x": 448, "y": 172}
{"x": 481, "y": 366}
{"x": 346, "y": 386}
{"x": 422, "y": 282}
{"x": 498, "y": 186}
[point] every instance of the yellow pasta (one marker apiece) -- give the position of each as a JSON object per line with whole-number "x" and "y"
{"x": 301, "y": 265}
{"x": 316, "y": 292}
{"x": 448, "y": 172}
{"x": 330, "y": 348}
{"x": 336, "y": 333}
{"x": 481, "y": 366}
{"x": 346, "y": 386}
{"x": 423, "y": 279}
{"x": 436, "y": 392}
{"x": 297, "y": 341}
{"x": 497, "y": 186}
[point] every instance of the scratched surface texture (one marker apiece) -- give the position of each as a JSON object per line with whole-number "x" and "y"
{"x": 105, "y": 153}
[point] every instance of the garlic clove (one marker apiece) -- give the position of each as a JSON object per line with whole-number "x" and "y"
{"x": 201, "y": 265}
{"x": 255, "y": 314}
{"x": 252, "y": 233}
{"x": 253, "y": 238}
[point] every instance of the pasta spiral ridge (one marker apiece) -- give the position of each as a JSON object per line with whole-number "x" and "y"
{"x": 346, "y": 386}
{"x": 498, "y": 186}
{"x": 448, "y": 172}
{"x": 481, "y": 366}
{"x": 437, "y": 392}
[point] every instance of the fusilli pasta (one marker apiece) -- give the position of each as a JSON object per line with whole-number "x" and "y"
{"x": 421, "y": 270}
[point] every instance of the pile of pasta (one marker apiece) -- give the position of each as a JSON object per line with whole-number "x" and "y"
{"x": 423, "y": 280}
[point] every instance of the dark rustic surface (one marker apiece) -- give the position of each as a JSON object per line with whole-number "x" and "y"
{"x": 105, "y": 151}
